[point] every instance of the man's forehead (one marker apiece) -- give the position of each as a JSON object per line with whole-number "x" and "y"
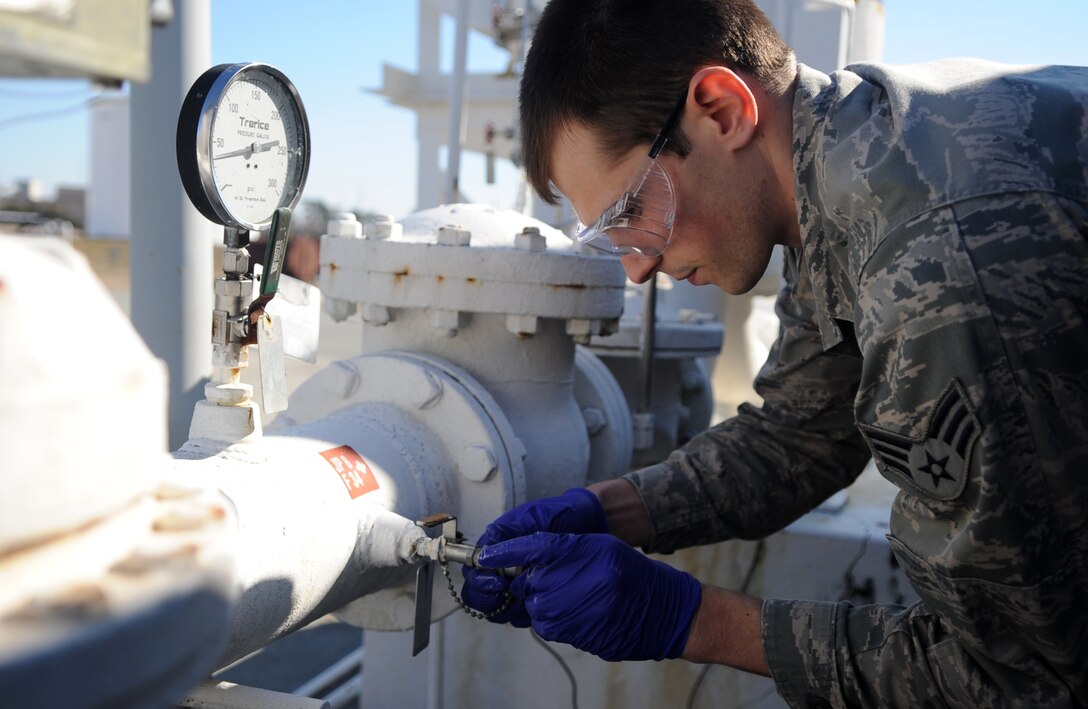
{"x": 582, "y": 170}
{"x": 576, "y": 149}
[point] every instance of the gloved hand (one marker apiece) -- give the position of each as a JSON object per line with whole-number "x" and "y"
{"x": 577, "y": 511}
{"x": 600, "y": 595}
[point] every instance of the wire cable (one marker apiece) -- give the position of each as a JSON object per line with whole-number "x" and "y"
{"x": 44, "y": 115}
{"x": 563, "y": 665}
{"x": 7, "y": 90}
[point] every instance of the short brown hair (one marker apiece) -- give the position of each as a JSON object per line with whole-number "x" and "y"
{"x": 619, "y": 65}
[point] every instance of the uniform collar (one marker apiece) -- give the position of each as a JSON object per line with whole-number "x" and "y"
{"x": 823, "y": 243}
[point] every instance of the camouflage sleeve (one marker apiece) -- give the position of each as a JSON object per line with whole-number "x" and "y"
{"x": 837, "y": 655}
{"x": 974, "y": 399}
{"x": 757, "y": 472}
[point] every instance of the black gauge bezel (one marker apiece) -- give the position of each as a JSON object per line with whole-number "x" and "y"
{"x": 193, "y": 143}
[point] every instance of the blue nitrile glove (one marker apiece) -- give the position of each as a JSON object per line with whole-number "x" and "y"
{"x": 576, "y": 511}
{"x": 600, "y": 595}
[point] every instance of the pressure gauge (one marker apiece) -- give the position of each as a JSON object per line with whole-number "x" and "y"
{"x": 243, "y": 144}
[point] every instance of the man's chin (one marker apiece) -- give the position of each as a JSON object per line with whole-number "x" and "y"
{"x": 734, "y": 285}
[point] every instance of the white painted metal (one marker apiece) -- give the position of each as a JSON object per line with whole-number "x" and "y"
{"x": 227, "y": 695}
{"x": 171, "y": 242}
{"x": 682, "y": 401}
{"x": 418, "y": 271}
{"x": 99, "y": 556}
{"x": 314, "y": 535}
{"x": 81, "y": 397}
{"x": 519, "y": 295}
{"x": 350, "y": 663}
{"x": 457, "y": 100}
{"x": 607, "y": 416}
{"x": 108, "y": 191}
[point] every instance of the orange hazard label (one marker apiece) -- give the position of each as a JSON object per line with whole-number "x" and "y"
{"x": 356, "y": 475}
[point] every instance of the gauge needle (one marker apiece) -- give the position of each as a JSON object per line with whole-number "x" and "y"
{"x": 249, "y": 150}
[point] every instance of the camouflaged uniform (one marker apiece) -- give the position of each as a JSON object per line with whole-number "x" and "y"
{"x": 935, "y": 320}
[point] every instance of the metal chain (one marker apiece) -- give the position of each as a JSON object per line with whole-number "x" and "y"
{"x": 508, "y": 598}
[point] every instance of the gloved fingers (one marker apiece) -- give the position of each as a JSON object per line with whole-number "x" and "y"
{"x": 500, "y": 530}
{"x": 486, "y": 591}
{"x": 537, "y": 549}
{"x": 484, "y": 581}
{"x": 483, "y": 590}
{"x": 577, "y": 510}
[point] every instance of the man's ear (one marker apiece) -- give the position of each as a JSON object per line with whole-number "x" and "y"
{"x": 723, "y": 97}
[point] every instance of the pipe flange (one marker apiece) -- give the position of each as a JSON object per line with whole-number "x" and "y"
{"x": 477, "y": 441}
{"x": 607, "y": 415}
{"x": 475, "y": 259}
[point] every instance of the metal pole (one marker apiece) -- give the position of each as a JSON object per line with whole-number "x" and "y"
{"x": 171, "y": 244}
{"x": 457, "y": 102}
{"x": 646, "y": 355}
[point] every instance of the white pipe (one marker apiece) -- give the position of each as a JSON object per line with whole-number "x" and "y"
{"x": 457, "y": 103}
{"x": 227, "y": 695}
{"x": 437, "y": 657}
{"x": 306, "y": 543}
{"x": 171, "y": 255}
{"x": 351, "y": 662}
{"x": 346, "y": 694}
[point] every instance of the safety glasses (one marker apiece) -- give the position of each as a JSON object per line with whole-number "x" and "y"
{"x": 640, "y": 221}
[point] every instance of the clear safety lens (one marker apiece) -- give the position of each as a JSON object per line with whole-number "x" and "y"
{"x": 640, "y": 221}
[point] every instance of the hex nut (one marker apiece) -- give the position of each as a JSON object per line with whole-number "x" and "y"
{"x": 578, "y": 326}
{"x": 377, "y": 315}
{"x": 445, "y": 319}
{"x": 477, "y": 462}
{"x": 235, "y": 261}
{"x": 522, "y": 325}
{"x": 595, "y": 420}
{"x": 530, "y": 239}
{"x": 383, "y": 227}
{"x": 338, "y": 309}
{"x": 427, "y": 390}
{"x": 691, "y": 376}
{"x": 345, "y": 225}
{"x": 610, "y": 327}
{"x": 454, "y": 236}
{"x": 340, "y": 379}
{"x": 232, "y": 288}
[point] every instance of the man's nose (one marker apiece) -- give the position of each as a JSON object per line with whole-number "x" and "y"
{"x": 639, "y": 267}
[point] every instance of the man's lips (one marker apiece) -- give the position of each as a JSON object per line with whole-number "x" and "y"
{"x": 688, "y": 276}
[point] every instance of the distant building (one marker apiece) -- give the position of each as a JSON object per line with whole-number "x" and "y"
{"x": 71, "y": 203}
{"x": 108, "y": 197}
{"x": 29, "y": 190}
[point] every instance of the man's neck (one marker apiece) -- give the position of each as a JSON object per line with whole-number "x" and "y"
{"x": 778, "y": 124}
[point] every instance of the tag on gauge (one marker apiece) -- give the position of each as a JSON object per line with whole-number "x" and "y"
{"x": 267, "y": 328}
{"x": 272, "y": 363}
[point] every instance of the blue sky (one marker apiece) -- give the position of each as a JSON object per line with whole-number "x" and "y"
{"x": 364, "y": 151}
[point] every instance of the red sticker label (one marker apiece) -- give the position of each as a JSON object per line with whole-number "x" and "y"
{"x": 356, "y": 475}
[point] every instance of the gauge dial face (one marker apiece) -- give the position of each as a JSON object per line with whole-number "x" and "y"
{"x": 243, "y": 144}
{"x": 254, "y": 147}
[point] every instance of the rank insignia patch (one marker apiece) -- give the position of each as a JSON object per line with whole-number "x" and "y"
{"x": 935, "y": 466}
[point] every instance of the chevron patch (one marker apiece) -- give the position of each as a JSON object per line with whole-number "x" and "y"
{"x": 935, "y": 466}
